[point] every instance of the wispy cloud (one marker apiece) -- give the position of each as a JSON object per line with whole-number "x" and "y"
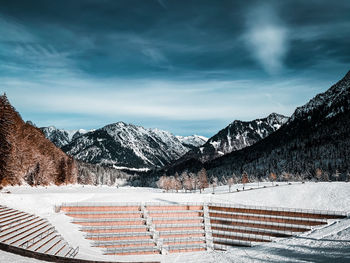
{"x": 266, "y": 37}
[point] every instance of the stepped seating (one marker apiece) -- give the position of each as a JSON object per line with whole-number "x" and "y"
{"x": 180, "y": 227}
{"x": 154, "y": 228}
{"x": 33, "y": 233}
{"x": 119, "y": 229}
{"x": 230, "y": 224}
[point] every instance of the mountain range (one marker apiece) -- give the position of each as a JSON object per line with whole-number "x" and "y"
{"x": 123, "y": 146}
{"x": 127, "y": 146}
{"x": 317, "y": 136}
{"x": 237, "y": 135}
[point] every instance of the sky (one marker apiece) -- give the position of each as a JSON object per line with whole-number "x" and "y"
{"x": 189, "y": 67}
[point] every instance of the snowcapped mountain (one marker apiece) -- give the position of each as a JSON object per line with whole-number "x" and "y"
{"x": 330, "y": 102}
{"x": 317, "y": 136}
{"x": 236, "y": 136}
{"x": 128, "y": 145}
{"x": 192, "y": 141}
{"x": 61, "y": 137}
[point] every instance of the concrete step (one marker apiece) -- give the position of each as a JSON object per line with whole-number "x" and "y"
{"x": 49, "y": 244}
{"x": 240, "y": 236}
{"x": 29, "y": 234}
{"x": 22, "y": 232}
{"x": 19, "y": 226}
{"x": 38, "y": 245}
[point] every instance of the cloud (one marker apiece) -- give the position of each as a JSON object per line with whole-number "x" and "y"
{"x": 266, "y": 37}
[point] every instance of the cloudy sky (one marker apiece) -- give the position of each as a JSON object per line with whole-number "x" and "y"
{"x": 190, "y": 67}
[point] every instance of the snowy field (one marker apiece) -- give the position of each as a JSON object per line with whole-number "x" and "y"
{"x": 324, "y": 244}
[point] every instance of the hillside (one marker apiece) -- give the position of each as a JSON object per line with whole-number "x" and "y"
{"x": 27, "y": 156}
{"x": 316, "y": 136}
{"x": 237, "y": 135}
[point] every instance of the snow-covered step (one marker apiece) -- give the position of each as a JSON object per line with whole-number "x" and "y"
{"x": 9, "y": 214}
{"x": 37, "y": 239}
{"x": 27, "y": 226}
{"x": 19, "y": 226}
{"x": 14, "y": 221}
{"x": 12, "y": 217}
{"x": 185, "y": 248}
{"x": 252, "y": 230}
{"x": 63, "y": 251}
{"x": 171, "y": 234}
{"x": 225, "y": 243}
{"x": 105, "y": 212}
{"x": 259, "y": 224}
{"x": 49, "y": 244}
{"x": 124, "y": 243}
{"x": 109, "y": 221}
{"x": 54, "y": 246}
{"x": 240, "y": 236}
{"x": 22, "y": 232}
{"x": 306, "y": 213}
{"x": 119, "y": 236}
{"x": 131, "y": 250}
{"x": 268, "y": 218}
{"x": 7, "y": 210}
{"x": 59, "y": 248}
{"x": 114, "y": 229}
{"x": 21, "y": 239}
{"x": 39, "y": 243}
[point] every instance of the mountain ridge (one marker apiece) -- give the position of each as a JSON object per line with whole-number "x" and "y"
{"x": 317, "y": 136}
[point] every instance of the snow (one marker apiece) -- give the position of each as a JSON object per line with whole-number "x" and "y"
{"x": 330, "y": 242}
{"x": 131, "y": 169}
{"x": 194, "y": 140}
{"x": 148, "y": 147}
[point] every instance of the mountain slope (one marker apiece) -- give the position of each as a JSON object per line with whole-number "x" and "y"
{"x": 61, "y": 137}
{"x": 316, "y": 136}
{"x": 192, "y": 141}
{"x": 27, "y": 156}
{"x": 236, "y": 136}
{"x": 127, "y": 145}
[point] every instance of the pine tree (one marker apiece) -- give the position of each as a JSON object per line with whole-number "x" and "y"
{"x": 6, "y": 176}
{"x": 62, "y": 172}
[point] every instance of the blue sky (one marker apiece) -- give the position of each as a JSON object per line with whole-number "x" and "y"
{"x": 190, "y": 67}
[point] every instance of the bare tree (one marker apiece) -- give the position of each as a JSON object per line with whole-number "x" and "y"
{"x": 203, "y": 179}
{"x": 164, "y": 183}
{"x": 177, "y": 182}
{"x": 194, "y": 181}
{"x": 245, "y": 179}
{"x": 186, "y": 182}
{"x": 230, "y": 182}
{"x": 286, "y": 176}
{"x": 273, "y": 177}
{"x": 214, "y": 183}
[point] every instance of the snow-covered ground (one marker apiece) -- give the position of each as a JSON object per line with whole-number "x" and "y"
{"x": 329, "y": 243}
